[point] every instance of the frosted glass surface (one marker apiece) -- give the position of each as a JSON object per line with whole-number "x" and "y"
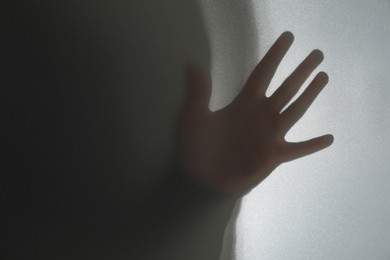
{"x": 334, "y": 204}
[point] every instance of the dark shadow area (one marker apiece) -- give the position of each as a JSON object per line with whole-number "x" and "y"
{"x": 90, "y": 93}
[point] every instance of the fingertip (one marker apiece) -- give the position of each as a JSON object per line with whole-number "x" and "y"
{"x": 328, "y": 140}
{"x": 288, "y": 36}
{"x": 321, "y": 79}
{"x": 324, "y": 76}
{"x": 331, "y": 138}
{"x": 319, "y": 54}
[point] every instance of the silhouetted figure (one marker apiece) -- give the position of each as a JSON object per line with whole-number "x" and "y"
{"x": 102, "y": 158}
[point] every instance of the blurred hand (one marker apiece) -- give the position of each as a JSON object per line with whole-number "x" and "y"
{"x": 233, "y": 149}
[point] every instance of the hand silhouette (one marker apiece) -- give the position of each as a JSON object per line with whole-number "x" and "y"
{"x": 233, "y": 149}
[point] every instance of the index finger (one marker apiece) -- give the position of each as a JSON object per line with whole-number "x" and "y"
{"x": 264, "y": 72}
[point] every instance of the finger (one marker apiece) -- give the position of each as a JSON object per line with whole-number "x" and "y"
{"x": 263, "y": 73}
{"x": 297, "y": 109}
{"x": 293, "y": 83}
{"x": 292, "y": 151}
{"x": 198, "y": 88}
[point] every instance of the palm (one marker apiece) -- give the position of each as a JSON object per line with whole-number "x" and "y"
{"x": 235, "y": 148}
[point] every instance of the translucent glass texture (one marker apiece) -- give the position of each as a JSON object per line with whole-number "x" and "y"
{"x": 334, "y": 204}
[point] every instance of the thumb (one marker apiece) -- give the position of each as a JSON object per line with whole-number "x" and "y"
{"x": 198, "y": 88}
